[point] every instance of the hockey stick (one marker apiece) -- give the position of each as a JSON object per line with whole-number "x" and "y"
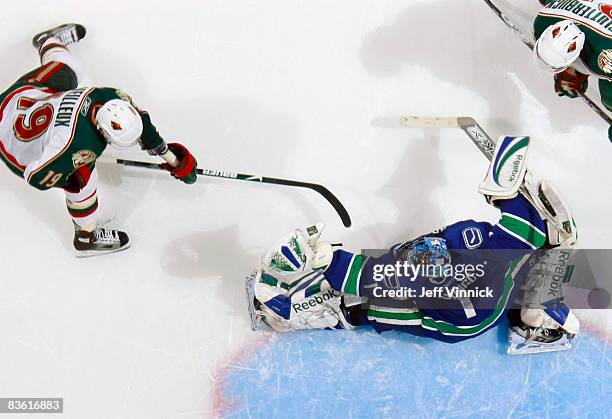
{"x": 485, "y": 144}
{"x": 478, "y": 135}
{"x": 530, "y": 44}
{"x": 322, "y": 190}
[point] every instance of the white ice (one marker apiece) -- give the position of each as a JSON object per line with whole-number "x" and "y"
{"x": 285, "y": 88}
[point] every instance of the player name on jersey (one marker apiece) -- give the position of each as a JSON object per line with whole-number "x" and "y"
{"x": 597, "y": 15}
{"x": 66, "y": 107}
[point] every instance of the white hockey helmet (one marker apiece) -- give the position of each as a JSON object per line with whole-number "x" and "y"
{"x": 559, "y": 46}
{"x": 120, "y": 123}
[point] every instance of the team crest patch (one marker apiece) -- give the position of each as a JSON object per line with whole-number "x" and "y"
{"x": 82, "y": 158}
{"x": 605, "y": 61}
{"x": 472, "y": 237}
{"x": 85, "y": 107}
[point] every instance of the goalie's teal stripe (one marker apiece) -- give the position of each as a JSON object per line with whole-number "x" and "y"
{"x": 396, "y": 316}
{"x": 269, "y": 280}
{"x": 312, "y": 290}
{"x": 524, "y": 230}
{"x": 450, "y": 329}
{"x": 521, "y": 144}
{"x": 350, "y": 285}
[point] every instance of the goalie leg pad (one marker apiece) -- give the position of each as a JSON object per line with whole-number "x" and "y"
{"x": 507, "y": 169}
{"x": 562, "y": 230}
{"x": 312, "y": 305}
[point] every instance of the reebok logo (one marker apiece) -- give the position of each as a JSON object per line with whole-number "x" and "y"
{"x": 314, "y": 301}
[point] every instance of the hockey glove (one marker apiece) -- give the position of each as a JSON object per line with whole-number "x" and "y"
{"x": 78, "y": 179}
{"x": 298, "y": 252}
{"x": 186, "y": 169}
{"x": 571, "y": 83}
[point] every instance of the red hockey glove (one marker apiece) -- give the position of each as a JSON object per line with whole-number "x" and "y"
{"x": 186, "y": 169}
{"x": 571, "y": 83}
{"x": 78, "y": 179}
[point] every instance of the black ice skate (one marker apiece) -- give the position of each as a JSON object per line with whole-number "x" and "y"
{"x": 101, "y": 241}
{"x": 68, "y": 33}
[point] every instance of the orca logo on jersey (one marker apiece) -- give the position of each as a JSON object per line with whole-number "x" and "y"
{"x": 472, "y": 237}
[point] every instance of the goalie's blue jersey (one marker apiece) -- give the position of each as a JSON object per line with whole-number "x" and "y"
{"x": 488, "y": 266}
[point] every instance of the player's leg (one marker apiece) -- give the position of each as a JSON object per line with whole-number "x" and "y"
{"x": 544, "y": 323}
{"x": 82, "y": 203}
{"x": 59, "y": 70}
{"x": 533, "y": 213}
{"x": 82, "y": 199}
{"x": 520, "y": 226}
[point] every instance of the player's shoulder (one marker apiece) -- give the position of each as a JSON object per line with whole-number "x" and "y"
{"x": 105, "y": 93}
{"x": 466, "y": 234}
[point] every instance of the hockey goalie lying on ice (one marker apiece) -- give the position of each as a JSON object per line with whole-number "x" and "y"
{"x": 417, "y": 286}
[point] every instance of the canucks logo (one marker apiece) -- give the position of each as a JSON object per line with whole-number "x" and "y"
{"x": 472, "y": 237}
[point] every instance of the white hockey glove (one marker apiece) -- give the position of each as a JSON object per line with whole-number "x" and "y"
{"x": 508, "y": 172}
{"x": 552, "y": 317}
{"x": 298, "y": 252}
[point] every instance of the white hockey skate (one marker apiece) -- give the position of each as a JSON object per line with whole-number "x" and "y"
{"x": 67, "y": 34}
{"x": 529, "y": 340}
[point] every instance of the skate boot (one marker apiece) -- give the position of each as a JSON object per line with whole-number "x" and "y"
{"x": 101, "y": 241}
{"x": 67, "y": 34}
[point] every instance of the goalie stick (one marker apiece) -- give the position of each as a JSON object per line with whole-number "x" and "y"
{"x": 485, "y": 144}
{"x": 320, "y": 189}
{"x": 530, "y": 44}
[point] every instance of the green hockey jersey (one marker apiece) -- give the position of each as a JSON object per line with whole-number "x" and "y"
{"x": 594, "y": 18}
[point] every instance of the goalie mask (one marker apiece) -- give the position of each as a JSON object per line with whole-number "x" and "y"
{"x": 431, "y": 253}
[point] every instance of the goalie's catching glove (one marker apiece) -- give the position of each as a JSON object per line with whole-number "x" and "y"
{"x": 571, "y": 83}
{"x": 185, "y": 170}
{"x": 299, "y": 252}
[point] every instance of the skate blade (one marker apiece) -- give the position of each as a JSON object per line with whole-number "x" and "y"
{"x": 249, "y": 287}
{"x": 92, "y": 253}
{"x": 519, "y": 349}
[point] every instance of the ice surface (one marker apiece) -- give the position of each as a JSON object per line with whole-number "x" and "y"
{"x": 365, "y": 375}
{"x": 285, "y": 88}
